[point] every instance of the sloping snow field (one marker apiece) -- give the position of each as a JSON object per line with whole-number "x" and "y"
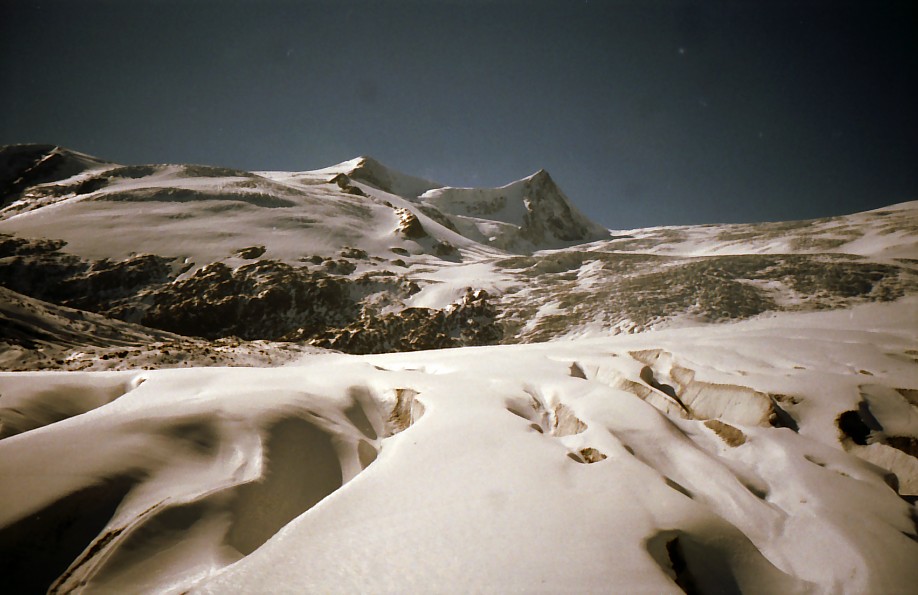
{"x": 568, "y": 466}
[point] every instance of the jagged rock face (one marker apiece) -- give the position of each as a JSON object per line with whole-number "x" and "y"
{"x": 409, "y": 225}
{"x": 107, "y": 280}
{"x": 271, "y": 300}
{"x": 39, "y": 269}
{"x": 264, "y": 299}
{"x": 471, "y": 321}
{"x": 35, "y": 267}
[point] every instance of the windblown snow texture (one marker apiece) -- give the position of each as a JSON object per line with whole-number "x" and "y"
{"x": 354, "y": 380}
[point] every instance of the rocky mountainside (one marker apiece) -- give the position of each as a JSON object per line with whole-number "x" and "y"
{"x": 360, "y": 258}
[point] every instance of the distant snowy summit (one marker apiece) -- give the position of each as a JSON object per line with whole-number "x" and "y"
{"x": 522, "y": 217}
{"x": 370, "y": 171}
{"x": 22, "y": 166}
{"x": 532, "y": 213}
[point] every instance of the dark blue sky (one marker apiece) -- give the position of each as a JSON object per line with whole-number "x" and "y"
{"x": 645, "y": 112}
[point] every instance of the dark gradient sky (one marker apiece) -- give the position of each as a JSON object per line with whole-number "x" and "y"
{"x": 646, "y": 113}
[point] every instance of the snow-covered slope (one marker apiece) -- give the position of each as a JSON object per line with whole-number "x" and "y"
{"x": 701, "y": 460}
{"x": 172, "y": 210}
{"x": 531, "y": 213}
{"x": 22, "y": 166}
{"x": 888, "y": 233}
{"x": 368, "y": 171}
{"x": 113, "y": 211}
{"x": 701, "y": 409}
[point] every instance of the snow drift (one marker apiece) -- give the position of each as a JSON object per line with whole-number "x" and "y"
{"x": 556, "y": 467}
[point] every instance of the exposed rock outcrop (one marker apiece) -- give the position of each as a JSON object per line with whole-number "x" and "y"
{"x": 409, "y": 225}
{"x": 344, "y": 183}
{"x": 470, "y": 321}
{"x": 265, "y": 299}
{"x": 262, "y": 300}
{"x": 251, "y": 253}
{"x": 39, "y": 269}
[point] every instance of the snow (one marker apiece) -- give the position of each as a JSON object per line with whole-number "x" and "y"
{"x": 882, "y": 233}
{"x": 532, "y": 213}
{"x": 505, "y": 204}
{"x": 466, "y": 470}
{"x": 775, "y": 454}
{"x": 309, "y": 224}
{"x": 368, "y": 170}
{"x": 447, "y": 284}
{"x": 294, "y": 214}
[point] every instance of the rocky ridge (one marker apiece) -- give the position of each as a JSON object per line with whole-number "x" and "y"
{"x": 320, "y": 302}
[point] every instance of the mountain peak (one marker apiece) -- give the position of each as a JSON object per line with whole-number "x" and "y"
{"x": 529, "y": 214}
{"x": 371, "y": 171}
{"x": 368, "y": 161}
{"x": 540, "y": 178}
{"x": 29, "y": 164}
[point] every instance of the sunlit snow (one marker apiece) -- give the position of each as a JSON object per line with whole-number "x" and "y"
{"x": 729, "y": 447}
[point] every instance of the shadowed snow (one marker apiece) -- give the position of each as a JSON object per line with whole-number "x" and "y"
{"x": 556, "y": 466}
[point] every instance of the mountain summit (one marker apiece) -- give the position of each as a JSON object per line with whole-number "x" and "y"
{"x": 523, "y": 216}
{"x": 358, "y": 203}
{"x": 22, "y": 166}
{"x": 529, "y": 214}
{"x": 368, "y": 170}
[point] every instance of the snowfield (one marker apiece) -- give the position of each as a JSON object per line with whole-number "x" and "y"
{"x": 710, "y": 409}
{"x": 565, "y": 466}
